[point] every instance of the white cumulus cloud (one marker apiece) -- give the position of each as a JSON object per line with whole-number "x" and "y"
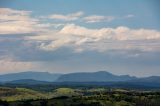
{"x": 18, "y": 21}
{"x": 97, "y": 18}
{"x": 83, "y": 39}
{"x": 68, "y": 17}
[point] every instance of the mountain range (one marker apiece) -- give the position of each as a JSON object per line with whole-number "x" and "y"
{"x": 100, "y": 76}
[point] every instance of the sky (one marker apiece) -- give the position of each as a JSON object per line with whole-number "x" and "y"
{"x": 64, "y": 36}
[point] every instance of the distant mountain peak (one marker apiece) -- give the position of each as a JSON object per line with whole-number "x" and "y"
{"x": 99, "y": 76}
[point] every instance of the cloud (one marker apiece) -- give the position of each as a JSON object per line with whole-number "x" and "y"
{"x": 68, "y": 17}
{"x": 119, "y": 33}
{"x": 54, "y": 44}
{"x": 96, "y": 18}
{"x": 130, "y": 16}
{"x": 81, "y": 39}
{"x": 18, "y": 21}
{"x": 11, "y": 14}
{"x": 87, "y": 19}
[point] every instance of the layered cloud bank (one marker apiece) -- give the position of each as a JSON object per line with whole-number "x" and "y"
{"x": 45, "y": 37}
{"x": 77, "y": 37}
{"x": 80, "y": 38}
{"x": 26, "y": 40}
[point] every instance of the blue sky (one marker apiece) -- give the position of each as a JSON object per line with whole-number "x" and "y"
{"x": 146, "y": 11}
{"x": 62, "y": 36}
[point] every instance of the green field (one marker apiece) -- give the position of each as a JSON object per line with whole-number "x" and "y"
{"x": 78, "y": 97}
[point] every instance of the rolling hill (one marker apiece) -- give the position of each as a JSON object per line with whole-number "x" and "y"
{"x": 13, "y": 94}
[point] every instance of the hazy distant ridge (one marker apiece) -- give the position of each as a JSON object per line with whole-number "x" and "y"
{"x": 41, "y": 76}
{"x": 100, "y": 76}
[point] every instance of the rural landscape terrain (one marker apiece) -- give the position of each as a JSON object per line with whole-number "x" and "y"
{"x": 78, "y": 89}
{"x": 79, "y": 52}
